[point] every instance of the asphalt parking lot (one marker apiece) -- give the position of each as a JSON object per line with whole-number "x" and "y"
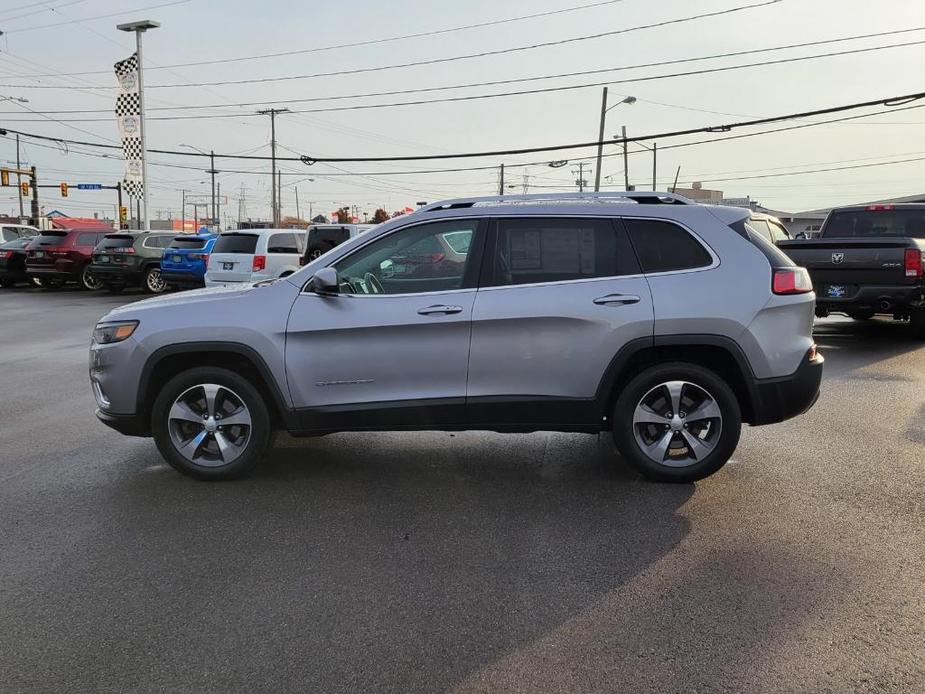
{"x": 466, "y": 562}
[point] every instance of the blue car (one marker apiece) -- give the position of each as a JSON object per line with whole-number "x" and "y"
{"x": 186, "y": 258}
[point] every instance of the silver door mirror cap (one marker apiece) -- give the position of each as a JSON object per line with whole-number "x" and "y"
{"x": 325, "y": 281}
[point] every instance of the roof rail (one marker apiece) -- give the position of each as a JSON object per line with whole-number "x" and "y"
{"x": 639, "y": 197}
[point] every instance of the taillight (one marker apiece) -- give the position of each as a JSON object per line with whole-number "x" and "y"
{"x": 205, "y": 257}
{"x": 913, "y": 262}
{"x": 260, "y": 263}
{"x": 791, "y": 280}
{"x": 125, "y": 249}
{"x": 302, "y": 261}
{"x": 198, "y": 256}
{"x": 879, "y": 208}
{"x": 8, "y": 254}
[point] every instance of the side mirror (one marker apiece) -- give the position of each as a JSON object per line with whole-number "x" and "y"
{"x": 325, "y": 281}
{"x": 801, "y": 235}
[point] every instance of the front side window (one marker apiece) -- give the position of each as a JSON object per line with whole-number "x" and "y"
{"x": 415, "y": 259}
{"x": 665, "y": 246}
{"x": 539, "y": 250}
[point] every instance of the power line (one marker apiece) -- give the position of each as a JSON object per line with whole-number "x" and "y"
{"x": 580, "y": 73}
{"x": 39, "y": 10}
{"x": 469, "y": 56}
{"x": 355, "y": 44}
{"x": 99, "y": 16}
{"x": 543, "y": 90}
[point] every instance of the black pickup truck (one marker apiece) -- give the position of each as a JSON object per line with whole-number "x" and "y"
{"x": 868, "y": 260}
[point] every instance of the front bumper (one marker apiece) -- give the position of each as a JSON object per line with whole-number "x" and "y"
{"x": 777, "y": 399}
{"x": 127, "y": 424}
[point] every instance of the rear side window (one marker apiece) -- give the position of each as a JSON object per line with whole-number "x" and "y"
{"x": 664, "y": 246}
{"x": 761, "y": 227}
{"x": 157, "y": 241}
{"x": 529, "y": 251}
{"x": 236, "y": 243}
{"x": 188, "y": 242}
{"x": 282, "y": 243}
{"x": 778, "y": 233}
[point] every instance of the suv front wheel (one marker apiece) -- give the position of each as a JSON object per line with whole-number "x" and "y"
{"x": 211, "y": 423}
{"x": 677, "y": 422}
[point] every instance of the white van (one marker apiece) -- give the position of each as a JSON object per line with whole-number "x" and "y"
{"x": 254, "y": 254}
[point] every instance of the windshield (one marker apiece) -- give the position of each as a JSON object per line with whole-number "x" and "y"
{"x": 885, "y": 222}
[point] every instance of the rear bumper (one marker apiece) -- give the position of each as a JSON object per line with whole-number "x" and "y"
{"x": 115, "y": 275}
{"x": 50, "y": 272}
{"x": 777, "y": 399}
{"x": 127, "y": 424}
{"x": 183, "y": 278}
{"x": 875, "y": 297}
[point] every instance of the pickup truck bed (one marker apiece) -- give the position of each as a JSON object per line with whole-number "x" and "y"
{"x": 867, "y": 261}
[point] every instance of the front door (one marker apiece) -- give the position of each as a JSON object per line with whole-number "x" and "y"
{"x": 390, "y": 349}
{"x": 560, "y": 298}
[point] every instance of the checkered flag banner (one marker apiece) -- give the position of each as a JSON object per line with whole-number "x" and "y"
{"x": 128, "y": 119}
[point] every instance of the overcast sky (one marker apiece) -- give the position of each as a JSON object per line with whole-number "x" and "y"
{"x": 69, "y": 36}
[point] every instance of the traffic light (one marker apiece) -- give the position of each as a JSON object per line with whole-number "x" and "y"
{"x": 5, "y": 177}
{"x": 123, "y": 214}
{"x": 63, "y": 189}
{"x": 24, "y": 188}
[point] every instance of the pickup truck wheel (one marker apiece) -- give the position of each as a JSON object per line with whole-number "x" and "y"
{"x": 917, "y": 323}
{"x": 677, "y": 422}
{"x": 211, "y": 424}
{"x": 154, "y": 281}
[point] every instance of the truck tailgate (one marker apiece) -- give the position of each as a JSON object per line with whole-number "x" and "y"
{"x": 851, "y": 261}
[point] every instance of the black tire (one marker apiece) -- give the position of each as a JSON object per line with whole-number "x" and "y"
{"x": 917, "y": 323}
{"x": 727, "y": 436}
{"x": 7, "y": 282}
{"x": 87, "y": 281}
{"x": 153, "y": 281}
{"x": 260, "y": 429}
{"x": 861, "y": 315}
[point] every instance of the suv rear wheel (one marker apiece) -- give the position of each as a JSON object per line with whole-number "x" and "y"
{"x": 677, "y": 422}
{"x": 211, "y": 424}
{"x": 154, "y": 281}
{"x": 88, "y": 281}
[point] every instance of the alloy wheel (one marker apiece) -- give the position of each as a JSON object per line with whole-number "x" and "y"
{"x": 154, "y": 281}
{"x": 88, "y": 281}
{"x": 209, "y": 425}
{"x": 677, "y": 423}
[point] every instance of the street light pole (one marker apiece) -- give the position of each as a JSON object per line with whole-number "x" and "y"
{"x": 140, "y": 28}
{"x": 629, "y": 100}
{"x": 212, "y": 171}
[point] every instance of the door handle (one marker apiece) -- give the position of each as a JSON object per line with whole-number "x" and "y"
{"x": 439, "y": 309}
{"x": 616, "y": 300}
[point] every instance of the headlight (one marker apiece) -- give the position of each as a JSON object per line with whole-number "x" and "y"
{"x": 106, "y": 333}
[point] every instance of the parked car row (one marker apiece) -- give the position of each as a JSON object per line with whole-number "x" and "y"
{"x": 156, "y": 260}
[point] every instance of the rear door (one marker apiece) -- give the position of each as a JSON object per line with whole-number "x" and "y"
{"x": 558, "y": 299}
{"x": 232, "y": 258}
{"x": 392, "y": 343}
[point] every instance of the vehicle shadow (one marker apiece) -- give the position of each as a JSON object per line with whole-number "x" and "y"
{"x": 850, "y": 346}
{"x": 353, "y": 562}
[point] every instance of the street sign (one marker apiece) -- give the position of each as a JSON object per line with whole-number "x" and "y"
{"x": 89, "y": 186}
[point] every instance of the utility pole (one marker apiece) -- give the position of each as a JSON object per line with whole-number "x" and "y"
{"x": 272, "y": 113}
{"x": 213, "y": 172}
{"x": 654, "y": 165}
{"x": 183, "y": 212}
{"x": 501, "y": 181}
{"x": 297, "y": 213}
{"x": 241, "y": 205}
{"x": 119, "y": 211}
{"x": 580, "y": 182}
{"x": 18, "y": 179}
{"x": 279, "y": 198}
{"x": 626, "y": 162}
{"x": 600, "y": 142}
{"x": 35, "y": 197}
{"x": 526, "y": 182}
{"x": 218, "y": 209}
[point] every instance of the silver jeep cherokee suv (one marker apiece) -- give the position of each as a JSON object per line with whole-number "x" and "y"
{"x": 664, "y": 321}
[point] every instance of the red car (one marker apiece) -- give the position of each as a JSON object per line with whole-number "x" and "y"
{"x": 59, "y": 256}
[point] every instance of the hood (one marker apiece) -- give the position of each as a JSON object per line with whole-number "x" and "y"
{"x": 205, "y": 297}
